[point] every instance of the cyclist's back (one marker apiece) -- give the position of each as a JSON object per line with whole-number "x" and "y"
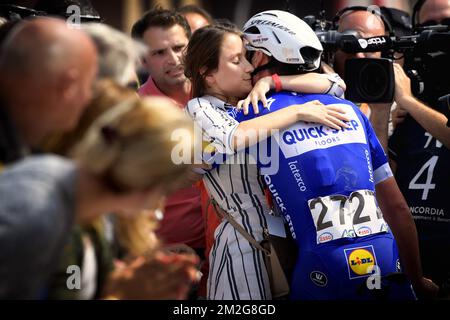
{"x": 325, "y": 188}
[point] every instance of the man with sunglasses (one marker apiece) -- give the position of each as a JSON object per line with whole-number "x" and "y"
{"x": 435, "y": 12}
{"x": 420, "y": 155}
{"x": 367, "y": 24}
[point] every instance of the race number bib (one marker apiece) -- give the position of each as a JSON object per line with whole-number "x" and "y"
{"x": 339, "y": 216}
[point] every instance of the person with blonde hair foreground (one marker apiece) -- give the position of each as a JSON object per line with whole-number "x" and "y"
{"x": 132, "y": 146}
{"x": 95, "y": 246}
{"x": 124, "y": 166}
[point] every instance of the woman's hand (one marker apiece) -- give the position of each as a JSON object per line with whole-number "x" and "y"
{"x": 306, "y": 83}
{"x": 258, "y": 93}
{"x": 329, "y": 71}
{"x": 329, "y": 115}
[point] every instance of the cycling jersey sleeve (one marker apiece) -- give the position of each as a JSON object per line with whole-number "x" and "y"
{"x": 217, "y": 126}
{"x": 334, "y": 89}
{"x": 380, "y": 164}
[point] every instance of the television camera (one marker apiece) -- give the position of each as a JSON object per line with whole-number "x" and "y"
{"x": 425, "y": 50}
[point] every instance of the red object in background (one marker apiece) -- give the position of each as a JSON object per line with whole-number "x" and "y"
{"x": 211, "y": 222}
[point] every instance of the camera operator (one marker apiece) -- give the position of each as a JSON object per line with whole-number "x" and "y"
{"x": 367, "y": 25}
{"x": 420, "y": 156}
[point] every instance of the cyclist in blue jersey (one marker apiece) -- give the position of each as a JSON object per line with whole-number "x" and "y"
{"x": 331, "y": 184}
{"x": 220, "y": 75}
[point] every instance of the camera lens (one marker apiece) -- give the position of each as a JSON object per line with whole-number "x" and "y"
{"x": 373, "y": 79}
{"x": 369, "y": 80}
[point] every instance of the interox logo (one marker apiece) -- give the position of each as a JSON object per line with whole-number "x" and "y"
{"x": 304, "y": 137}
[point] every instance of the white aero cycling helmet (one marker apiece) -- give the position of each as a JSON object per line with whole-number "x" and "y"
{"x": 285, "y": 37}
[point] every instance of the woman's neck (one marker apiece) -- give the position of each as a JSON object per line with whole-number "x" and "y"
{"x": 231, "y": 100}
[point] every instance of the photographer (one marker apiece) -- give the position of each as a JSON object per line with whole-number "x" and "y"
{"x": 432, "y": 120}
{"x": 367, "y": 25}
{"x": 420, "y": 156}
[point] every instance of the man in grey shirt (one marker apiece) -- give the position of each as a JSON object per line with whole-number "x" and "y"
{"x": 37, "y": 210}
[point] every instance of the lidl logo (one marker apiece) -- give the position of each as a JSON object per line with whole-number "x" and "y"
{"x": 359, "y": 260}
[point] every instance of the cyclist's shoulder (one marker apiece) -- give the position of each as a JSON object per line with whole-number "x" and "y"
{"x": 305, "y": 97}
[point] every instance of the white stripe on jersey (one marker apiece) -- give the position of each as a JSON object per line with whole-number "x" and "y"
{"x": 382, "y": 173}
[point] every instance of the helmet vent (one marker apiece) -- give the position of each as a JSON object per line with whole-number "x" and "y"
{"x": 270, "y": 14}
{"x": 252, "y": 30}
{"x": 309, "y": 54}
{"x": 275, "y": 35}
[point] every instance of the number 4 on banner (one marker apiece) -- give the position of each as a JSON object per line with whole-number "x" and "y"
{"x": 427, "y": 186}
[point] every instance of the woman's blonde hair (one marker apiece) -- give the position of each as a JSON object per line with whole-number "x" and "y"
{"x": 131, "y": 145}
{"x": 129, "y": 139}
{"x": 130, "y": 148}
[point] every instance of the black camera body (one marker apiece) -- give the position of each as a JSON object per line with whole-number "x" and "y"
{"x": 13, "y": 12}
{"x": 57, "y": 8}
{"x": 369, "y": 80}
